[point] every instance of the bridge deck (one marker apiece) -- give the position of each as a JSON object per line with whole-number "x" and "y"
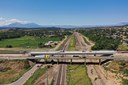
{"x": 63, "y": 58}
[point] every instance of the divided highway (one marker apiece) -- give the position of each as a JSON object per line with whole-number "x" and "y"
{"x": 60, "y": 78}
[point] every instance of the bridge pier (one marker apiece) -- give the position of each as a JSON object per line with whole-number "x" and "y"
{"x": 45, "y": 61}
{"x": 71, "y": 61}
{"x": 57, "y": 61}
{"x": 85, "y": 61}
{"x": 99, "y": 61}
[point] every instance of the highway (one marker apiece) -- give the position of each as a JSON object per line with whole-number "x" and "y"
{"x": 26, "y": 76}
{"x": 68, "y": 55}
{"x": 65, "y": 58}
{"x": 73, "y": 52}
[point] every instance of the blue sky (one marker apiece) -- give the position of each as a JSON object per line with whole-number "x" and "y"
{"x": 66, "y": 12}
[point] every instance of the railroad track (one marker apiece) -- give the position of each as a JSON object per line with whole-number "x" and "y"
{"x": 61, "y": 76}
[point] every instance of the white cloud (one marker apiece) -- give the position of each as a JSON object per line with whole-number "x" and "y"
{"x": 1, "y": 18}
{"x": 4, "y": 21}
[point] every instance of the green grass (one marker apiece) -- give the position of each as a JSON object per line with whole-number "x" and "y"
{"x": 35, "y": 76}
{"x": 122, "y": 48}
{"x": 77, "y": 75}
{"x": 27, "y": 41}
{"x": 125, "y": 82}
{"x": 72, "y": 44}
{"x": 8, "y": 51}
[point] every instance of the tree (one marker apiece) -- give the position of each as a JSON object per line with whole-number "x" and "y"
{"x": 8, "y": 46}
{"x": 40, "y": 45}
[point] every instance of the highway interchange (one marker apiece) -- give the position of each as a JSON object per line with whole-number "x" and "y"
{"x": 65, "y": 56}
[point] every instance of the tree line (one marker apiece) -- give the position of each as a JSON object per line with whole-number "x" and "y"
{"x": 103, "y": 38}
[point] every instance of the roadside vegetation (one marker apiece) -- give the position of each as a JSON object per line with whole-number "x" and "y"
{"x": 86, "y": 41}
{"x": 120, "y": 67}
{"x": 114, "y": 38}
{"x": 12, "y": 70}
{"x": 9, "y": 51}
{"x": 72, "y": 44}
{"x": 76, "y": 74}
{"x": 36, "y": 75}
{"x": 103, "y": 39}
{"x": 122, "y": 48}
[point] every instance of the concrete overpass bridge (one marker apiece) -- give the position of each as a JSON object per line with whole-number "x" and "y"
{"x": 69, "y": 56}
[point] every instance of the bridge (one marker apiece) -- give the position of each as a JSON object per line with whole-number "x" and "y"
{"x": 111, "y": 52}
{"x": 64, "y": 58}
{"x": 67, "y": 55}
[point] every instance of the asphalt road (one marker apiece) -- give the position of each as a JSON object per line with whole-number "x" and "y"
{"x": 66, "y": 58}
{"x": 26, "y": 76}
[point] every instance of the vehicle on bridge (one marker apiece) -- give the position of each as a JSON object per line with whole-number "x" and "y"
{"x": 42, "y": 56}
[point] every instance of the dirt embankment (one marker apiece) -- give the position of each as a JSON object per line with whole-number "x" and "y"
{"x": 97, "y": 74}
{"x": 12, "y": 70}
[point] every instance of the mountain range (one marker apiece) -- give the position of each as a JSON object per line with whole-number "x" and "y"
{"x": 34, "y": 25}
{"x": 20, "y": 25}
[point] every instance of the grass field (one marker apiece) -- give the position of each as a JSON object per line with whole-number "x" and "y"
{"x": 27, "y": 41}
{"x": 77, "y": 75}
{"x": 72, "y": 44}
{"x": 10, "y": 71}
{"x": 122, "y": 48}
{"x": 35, "y": 76}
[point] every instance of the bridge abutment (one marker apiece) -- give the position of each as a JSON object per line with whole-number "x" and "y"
{"x": 32, "y": 62}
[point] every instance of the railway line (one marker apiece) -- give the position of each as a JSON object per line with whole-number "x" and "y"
{"x": 61, "y": 76}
